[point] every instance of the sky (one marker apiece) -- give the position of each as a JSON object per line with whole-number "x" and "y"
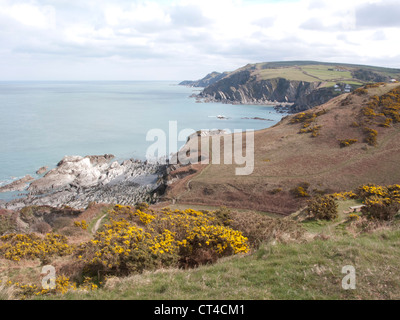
{"x": 187, "y": 39}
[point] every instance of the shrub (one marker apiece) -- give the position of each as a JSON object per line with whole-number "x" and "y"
{"x": 42, "y": 227}
{"x": 30, "y": 246}
{"x": 307, "y": 118}
{"x": 204, "y": 244}
{"x": 323, "y": 208}
{"x": 369, "y": 112}
{"x": 27, "y": 213}
{"x": 301, "y": 190}
{"x": 388, "y": 122}
{"x": 371, "y": 136}
{"x": 345, "y": 195}
{"x": 380, "y": 209}
{"x": 381, "y": 203}
{"x": 143, "y": 206}
{"x": 276, "y": 191}
{"x": 386, "y": 106}
{"x": 347, "y": 101}
{"x": 83, "y": 225}
{"x": 361, "y": 91}
{"x": 223, "y": 214}
{"x": 6, "y": 224}
{"x": 374, "y": 85}
{"x": 354, "y": 217}
{"x": 347, "y": 143}
{"x": 62, "y": 222}
{"x": 151, "y": 240}
{"x": 63, "y": 285}
{"x": 260, "y": 228}
{"x": 313, "y": 130}
{"x": 122, "y": 248}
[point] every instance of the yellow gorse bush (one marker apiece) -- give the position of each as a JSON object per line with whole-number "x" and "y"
{"x": 144, "y": 217}
{"x": 345, "y": 195}
{"x": 19, "y": 246}
{"x": 136, "y": 240}
{"x": 83, "y": 224}
{"x": 381, "y": 202}
{"x": 63, "y": 285}
{"x": 220, "y": 239}
{"x": 375, "y": 193}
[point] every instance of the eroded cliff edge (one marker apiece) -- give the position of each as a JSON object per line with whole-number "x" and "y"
{"x": 244, "y": 88}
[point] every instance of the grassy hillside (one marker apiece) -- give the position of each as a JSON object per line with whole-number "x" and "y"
{"x": 298, "y": 151}
{"x": 289, "y": 258}
{"x": 300, "y": 85}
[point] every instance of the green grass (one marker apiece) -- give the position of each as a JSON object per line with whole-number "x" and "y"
{"x": 309, "y": 73}
{"x": 355, "y": 83}
{"x": 292, "y": 74}
{"x": 323, "y": 72}
{"x": 329, "y": 84}
{"x": 99, "y": 216}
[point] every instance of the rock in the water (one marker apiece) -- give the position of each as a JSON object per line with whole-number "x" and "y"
{"x": 17, "y": 185}
{"x": 42, "y": 170}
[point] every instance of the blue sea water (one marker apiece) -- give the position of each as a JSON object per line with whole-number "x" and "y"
{"x": 41, "y": 122}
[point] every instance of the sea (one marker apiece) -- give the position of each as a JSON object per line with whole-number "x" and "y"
{"x": 41, "y": 122}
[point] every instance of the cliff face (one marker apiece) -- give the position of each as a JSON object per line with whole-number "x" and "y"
{"x": 244, "y": 88}
{"x": 299, "y": 85}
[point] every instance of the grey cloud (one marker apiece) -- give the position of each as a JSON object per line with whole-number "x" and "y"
{"x": 385, "y": 14}
{"x": 266, "y": 49}
{"x": 75, "y": 51}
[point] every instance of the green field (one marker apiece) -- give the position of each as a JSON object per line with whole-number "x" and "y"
{"x": 326, "y": 73}
{"x": 310, "y": 73}
{"x": 292, "y": 74}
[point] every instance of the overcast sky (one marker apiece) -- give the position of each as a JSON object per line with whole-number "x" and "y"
{"x": 186, "y": 39}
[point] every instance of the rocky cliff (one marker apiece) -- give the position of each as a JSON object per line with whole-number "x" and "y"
{"x": 301, "y": 84}
{"x": 244, "y": 88}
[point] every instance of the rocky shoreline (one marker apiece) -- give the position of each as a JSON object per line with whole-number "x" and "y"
{"x": 78, "y": 181}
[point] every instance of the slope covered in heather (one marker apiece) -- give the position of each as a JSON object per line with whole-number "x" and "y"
{"x": 349, "y": 141}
